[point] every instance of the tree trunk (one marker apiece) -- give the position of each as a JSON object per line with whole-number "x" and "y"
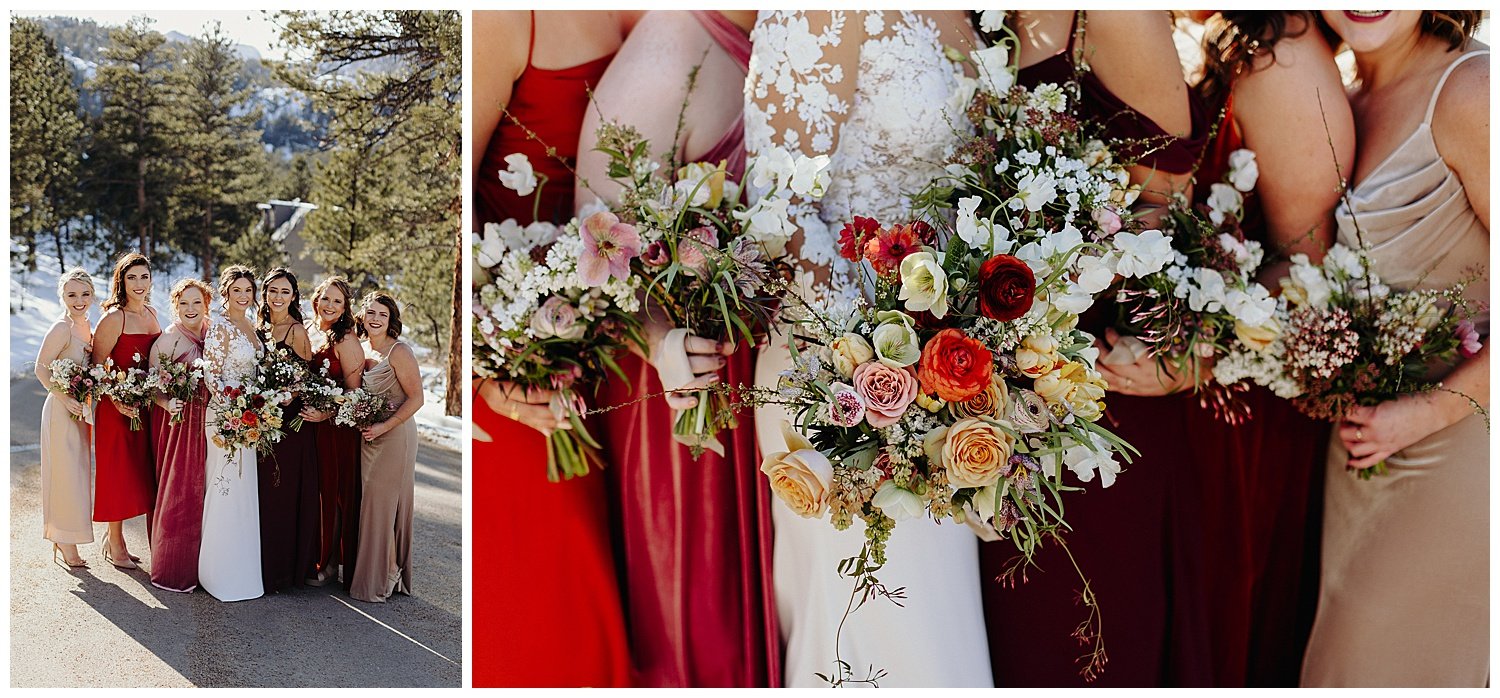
{"x": 140, "y": 205}
{"x": 456, "y": 380}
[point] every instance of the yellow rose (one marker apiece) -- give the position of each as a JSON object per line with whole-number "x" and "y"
{"x": 848, "y": 352}
{"x": 219, "y": 442}
{"x": 253, "y": 435}
{"x": 1258, "y": 338}
{"x": 976, "y": 452}
{"x": 800, "y": 476}
{"x": 993, "y": 401}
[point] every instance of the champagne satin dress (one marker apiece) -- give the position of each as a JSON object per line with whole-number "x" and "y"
{"x": 65, "y": 464}
{"x": 1405, "y": 593}
{"x": 388, "y": 472}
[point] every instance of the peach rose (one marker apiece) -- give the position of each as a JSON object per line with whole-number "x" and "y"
{"x": 887, "y": 392}
{"x": 800, "y": 476}
{"x": 976, "y": 452}
{"x": 993, "y": 401}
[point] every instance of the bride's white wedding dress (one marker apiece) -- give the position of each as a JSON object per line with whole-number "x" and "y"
{"x": 874, "y": 91}
{"x": 229, "y": 555}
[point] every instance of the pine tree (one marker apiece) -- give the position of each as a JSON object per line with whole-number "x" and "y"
{"x": 45, "y": 133}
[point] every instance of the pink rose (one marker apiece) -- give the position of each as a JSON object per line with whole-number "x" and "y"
{"x": 887, "y": 391}
{"x": 1108, "y": 221}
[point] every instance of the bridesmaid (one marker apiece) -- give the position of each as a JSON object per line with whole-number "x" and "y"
{"x": 181, "y": 449}
{"x": 289, "y": 482}
{"x": 1405, "y": 594}
{"x": 126, "y": 473}
{"x": 1273, "y": 77}
{"x": 336, "y": 350}
{"x": 388, "y": 457}
{"x": 525, "y": 582}
{"x": 1129, "y": 538}
{"x": 65, "y": 435}
{"x": 696, "y": 532}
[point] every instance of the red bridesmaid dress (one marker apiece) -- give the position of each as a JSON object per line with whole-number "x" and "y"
{"x": 338, "y": 484}
{"x": 547, "y": 607}
{"x": 696, "y": 533}
{"x": 125, "y": 481}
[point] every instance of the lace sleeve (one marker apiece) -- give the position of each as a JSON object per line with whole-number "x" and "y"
{"x": 216, "y": 353}
{"x": 801, "y": 82}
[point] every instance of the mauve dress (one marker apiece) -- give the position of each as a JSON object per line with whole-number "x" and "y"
{"x": 1128, "y": 539}
{"x": 65, "y": 464}
{"x": 547, "y": 567}
{"x": 338, "y": 482}
{"x": 125, "y": 478}
{"x": 1257, "y": 544}
{"x": 289, "y": 521}
{"x": 181, "y": 484}
{"x": 696, "y": 534}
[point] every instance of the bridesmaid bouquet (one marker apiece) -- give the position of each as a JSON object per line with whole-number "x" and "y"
{"x": 540, "y": 325}
{"x": 74, "y": 380}
{"x": 699, "y": 253}
{"x": 1339, "y": 338}
{"x": 283, "y": 372}
{"x": 177, "y": 380}
{"x": 247, "y": 416}
{"x": 130, "y": 387}
{"x": 1188, "y": 292}
{"x": 320, "y": 392}
{"x": 360, "y": 408}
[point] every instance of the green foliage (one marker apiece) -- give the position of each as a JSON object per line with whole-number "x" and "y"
{"x": 45, "y": 134}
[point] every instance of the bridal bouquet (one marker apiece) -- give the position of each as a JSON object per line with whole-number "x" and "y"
{"x": 247, "y": 416}
{"x": 74, "y": 380}
{"x": 1189, "y": 290}
{"x": 1340, "y": 338}
{"x": 130, "y": 388}
{"x": 360, "y": 409}
{"x": 177, "y": 380}
{"x": 699, "y": 253}
{"x": 542, "y": 321}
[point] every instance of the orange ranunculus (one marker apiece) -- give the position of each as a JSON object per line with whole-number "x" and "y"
{"x": 955, "y": 366}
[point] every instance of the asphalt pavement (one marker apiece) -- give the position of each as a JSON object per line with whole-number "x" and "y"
{"x": 106, "y": 627}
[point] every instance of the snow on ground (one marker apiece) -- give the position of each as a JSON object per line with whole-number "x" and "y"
{"x": 34, "y": 307}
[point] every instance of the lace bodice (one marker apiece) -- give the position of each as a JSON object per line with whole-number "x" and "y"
{"x": 872, "y": 89}
{"x": 232, "y": 355}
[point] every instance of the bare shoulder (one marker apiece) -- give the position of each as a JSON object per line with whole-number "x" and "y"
{"x": 403, "y": 352}
{"x": 58, "y": 331}
{"x": 113, "y": 320}
{"x": 1465, "y": 99}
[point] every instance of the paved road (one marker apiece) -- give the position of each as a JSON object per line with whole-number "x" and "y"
{"x": 101, "y": 626}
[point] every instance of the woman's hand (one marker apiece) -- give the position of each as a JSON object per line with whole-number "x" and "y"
{"x": 696, "y": 368}
{"x": 529, "y": 407}
{"x": 173, "y": 406}
{"x": 375, "y": 431}
{"x": 1145, "y": 377}
{"x": 311, "y": 415}
{"x": 74, "y": 406}
{"x": 125, "y": 410}
{"x": 1373, "y": 434}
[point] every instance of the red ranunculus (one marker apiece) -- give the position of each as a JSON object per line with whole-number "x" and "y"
{"x": 853, "y": 237}
{"x": 886, "y": 250}
{"x": 955, "y": 366}
{"x": 257, "y": 401}
{"x": 249, "y": 419}
{"x": 1007, "y": 288}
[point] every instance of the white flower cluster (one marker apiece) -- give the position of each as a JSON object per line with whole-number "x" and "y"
{"x": 1405, "y": 320}
{"x": 781, "y": 176}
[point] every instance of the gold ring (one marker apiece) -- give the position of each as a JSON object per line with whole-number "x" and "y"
{"x": 1359, "y": 434}
{"x": 515, "y": 413}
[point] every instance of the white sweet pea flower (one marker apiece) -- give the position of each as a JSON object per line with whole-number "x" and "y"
{"x": 1085, "y": 460}
{"x": 1142, "y": 254}
{"x": 767, "y": 224}
{"x": 1253, "y": 306}
{"x": 1207, "y": 292}
{"x": 771, "y": 169}
{"x": 924, "y": 284}
{"x": 1243, "y": 171}
{"x": 518, "y": 174}
{"x": 1096, "y": 273}
{"x": 810, "y": 176}
{"x": 1075, "y": 299}
{"x": 991, "y": 20}
{"x": 993, "y": 66}
{"x": 1035, "y": 190}
{"x": 981, "y": 234}
{"x": 1223, "y": 201}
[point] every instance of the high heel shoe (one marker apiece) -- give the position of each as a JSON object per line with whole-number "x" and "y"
{"x": 61, "y": 559}
{"x": 127, "y": 564}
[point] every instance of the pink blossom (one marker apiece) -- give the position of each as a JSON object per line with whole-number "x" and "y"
{"x": 848, "y": 407}
{"x": 1108, "y": 221}
{"x": 692, "y": 249}
{"x": 1468, "y": 338}
{"x": 608, "y": 247}
{"x": 886, "y": 391}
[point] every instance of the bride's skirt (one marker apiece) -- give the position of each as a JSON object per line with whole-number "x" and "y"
{"x": 935, "y": 639}
{"x": 229, "y": 559}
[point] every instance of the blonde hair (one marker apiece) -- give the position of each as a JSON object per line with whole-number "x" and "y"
{"x": 75, "y": 274}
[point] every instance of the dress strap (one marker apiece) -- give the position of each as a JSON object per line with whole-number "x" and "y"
{"x": 727, "y": 35}
{"x": 1073, "y": 30}
{"x": 531, "y": 38}
{"x": 1432, "y": 103}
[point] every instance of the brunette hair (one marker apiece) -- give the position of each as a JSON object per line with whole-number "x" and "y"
{"x": 345, "y": 322}
{"x": 124, "y": 264}
{"x": 231, "y": 274}
{"x": 1234, "y": 39}
{"x": 75, "y": 274}
{"x": 294, "y": 310}
{"x": 393, "y": 327}
{"x": 183, "y": 285}
{"x": 1452, "y": 26}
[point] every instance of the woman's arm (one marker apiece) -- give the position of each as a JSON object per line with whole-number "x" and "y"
{"x": 500, "y": 41}
{"x": 107, "y": 334}
{"x": 52, "y": 348}
{"x": 351, "y": 360}
{"x": 404, "y": 363}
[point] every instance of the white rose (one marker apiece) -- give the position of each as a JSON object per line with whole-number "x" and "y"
{"x": 1142, "y": 254}
{"x": 898, "y": 503}
{"x": 1243, "y": 172}
{"x": 801, "y": 476}
{"x": 924, "y": 284}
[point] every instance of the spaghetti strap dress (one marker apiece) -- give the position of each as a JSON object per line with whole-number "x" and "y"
{"x": 65, "y": 464}
{"x": 388, "y": 470}
{"x": 289, "y": 516}
{"x": 338, "y": 484}
{"x": 125, "y": 478}
{"x": 544, "y": 560}
{"x": 181, "y": 483}
{"x": 1406, "y": 564}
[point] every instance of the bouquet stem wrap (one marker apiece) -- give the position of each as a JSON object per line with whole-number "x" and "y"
{"x": 692, "y": 427}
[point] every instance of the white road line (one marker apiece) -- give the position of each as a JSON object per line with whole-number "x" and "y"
{"x": 22, "y": 448}
{"x": 398, "y": 632}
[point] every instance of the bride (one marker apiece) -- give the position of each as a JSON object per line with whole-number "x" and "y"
{"x": 874, "y": 92}
{"x": 229, "y": 559}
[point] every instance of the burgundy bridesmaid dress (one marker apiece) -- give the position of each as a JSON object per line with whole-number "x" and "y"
{"x": 338, "y": 485}
{"x": 547, "y": 609}
{"x": 181, "y": 474}
{"x": 125, "y": 479}
{"x": 696, "y": 534}
{"x": 1261, "y": 545}
{"x": 1130, "y": 539}
{"x": 289, "y": 516}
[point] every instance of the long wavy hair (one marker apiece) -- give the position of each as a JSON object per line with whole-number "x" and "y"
{"x": 1233, "y": 40}
{"x": 231, "y": 274}
{"x": 123, "y": 265}
{"x": 294, "y": 309}
{"x": 345, "y": 322}
{"x": 75, "y": 274}
{"x": 393, "y": 327}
